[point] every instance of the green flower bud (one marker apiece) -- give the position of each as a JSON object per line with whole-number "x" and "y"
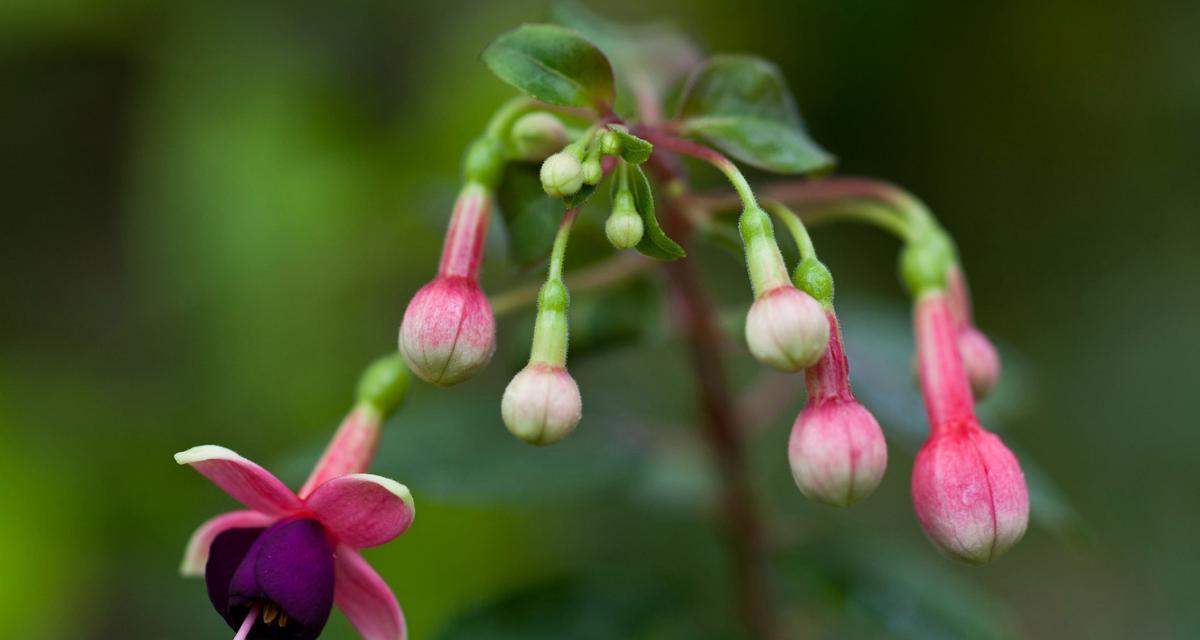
{"x": 562, "y": 175}
{"x": 537, "y": 135}
{"x": 624, "y": 228}
{"x": 592, "y": 171}
{"x": 610, "y": 143}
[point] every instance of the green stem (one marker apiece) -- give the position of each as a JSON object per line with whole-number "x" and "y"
{"x": 559, "y": 252}
{"x": 794, "y": 225}
{"x": 504, "y": 117}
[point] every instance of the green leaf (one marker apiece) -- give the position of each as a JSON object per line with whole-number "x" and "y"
{"x": 655, "y": 242}
{"x": 530, "y": 216}
{"x": 579, "y": 198}
{"x": 742, "y": 105}
{"x": 633, "y": 149}
{"x": 554, "y": 65}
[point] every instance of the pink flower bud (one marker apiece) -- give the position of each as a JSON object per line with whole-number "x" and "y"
{"x": 969, "y": 494}
{"x": 836, "y": 450}
{"x": 968, "y": 488}
{"x": 787, "y": 329}
{"x": 449, "y": 332}
{"x": 542, "y": 404}
{"x": 980, "y": 360}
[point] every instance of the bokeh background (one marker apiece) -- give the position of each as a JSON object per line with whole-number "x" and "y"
{"x": 214, "y": 214}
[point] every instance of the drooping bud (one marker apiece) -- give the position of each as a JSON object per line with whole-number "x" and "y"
{"x": 562, "y": 175}
{"x": 968, "y": 488}
{"x": 969, "y": 494}
{"x": 610, "y": 143}
{"x": 787, "y": 329}
{"x": 836, "y": 450}
{"x": 592, "y": 171}
{"x": 541, "y": 404}
{"x": 624, "y": 226}
{"x": 537, "y": 135}
{"x": 449, "y": 332}
{"x": 980, "y": 358}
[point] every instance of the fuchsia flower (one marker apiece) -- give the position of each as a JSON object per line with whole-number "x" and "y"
{"x": 980, "y": 358}
{"x": 968, "y": 488}
{"x": 836, "y": 449}
{"x": 542, "y": 404}
{"x": 449, "y": 332}
{"x": 786, "y": 328}
{"x": 276, "y": 569}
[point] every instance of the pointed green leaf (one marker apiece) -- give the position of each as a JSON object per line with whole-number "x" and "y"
{"x": 633, "y": 149}
{"x": 742, "y": 105}
{"x": 655, "y": 242}
{"x": 554, "y": 65}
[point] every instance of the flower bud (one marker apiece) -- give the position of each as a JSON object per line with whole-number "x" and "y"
{"x": 592, "y": 171}
{"x": 448, "y": 333}
{"x": 537, "y": 135}
{"x": 787, "y": 329}
{"x": 541, "y": 404}
{"x": 562, "y": 175}
{"x": 610, "y": 143}
{"x": 624, "y": 226}
{"x": 969, "y": 494}
{"x": 837, "y": 453}
{"x": 980, "y": 360}
{"x": 836, "y": 450}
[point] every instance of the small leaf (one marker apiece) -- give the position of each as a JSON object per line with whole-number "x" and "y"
{"x": 742, "y": 105}
{"x": 633, "y": 149}
{"x": 554, "y": 65}
{"x": 530, "y": 216}
{"x": 655, "y": 242}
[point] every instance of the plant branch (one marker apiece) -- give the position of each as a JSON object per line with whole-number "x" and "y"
{"x": 597, "y": 276}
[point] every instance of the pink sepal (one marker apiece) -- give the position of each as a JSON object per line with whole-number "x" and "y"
{"x": 247, "y": 482}
{"x": 366, "y": 599}
{"x": 363, "y": 510}
{"x": 195, "y": 556}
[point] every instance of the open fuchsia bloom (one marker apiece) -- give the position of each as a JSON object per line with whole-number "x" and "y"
{"x": 968, "y": 488}
{"x": 980, "y": 358}
{"x": 449, "y": 332}
{"x": 276, "y": 569}
{"x": 836, "y": 450}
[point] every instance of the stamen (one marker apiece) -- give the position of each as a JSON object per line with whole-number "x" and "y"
{"x": 269, "y": 613}
{"x": 247, "y": 624}
{"x": 283, "y": 619}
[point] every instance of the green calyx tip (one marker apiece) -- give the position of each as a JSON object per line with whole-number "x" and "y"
{"x": 814, "y": 278}
{"x": 484, "y": 162}
{"x": 384, "y": 384}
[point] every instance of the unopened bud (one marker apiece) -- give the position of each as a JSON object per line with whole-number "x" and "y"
{"x": 562, "y": 175}
{"x": 787, "y": 329}
{"x": 624, "y": 226}
{"x": 837, "y": 452}
{"x": 592, "y": 171}
{"x": 969, "y": 494}
{"x": 980, "y": 360}
{"x": 610, "y": 143}
{"x": 537, "y": 135}
{"x": 448, "y": 333}
{"x": 541, "y": 404}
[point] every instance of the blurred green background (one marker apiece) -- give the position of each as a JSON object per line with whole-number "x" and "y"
{"x": 215, "y": 212}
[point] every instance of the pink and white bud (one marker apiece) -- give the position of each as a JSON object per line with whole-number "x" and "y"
{"x": 836, "y": 450}
{"x": 969, "y": 493}
{"x": 787, "y": 329}
{"x": 542, "y": 404}
{"x": 968, "y": 488}
{"x": 449, "y": 332}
